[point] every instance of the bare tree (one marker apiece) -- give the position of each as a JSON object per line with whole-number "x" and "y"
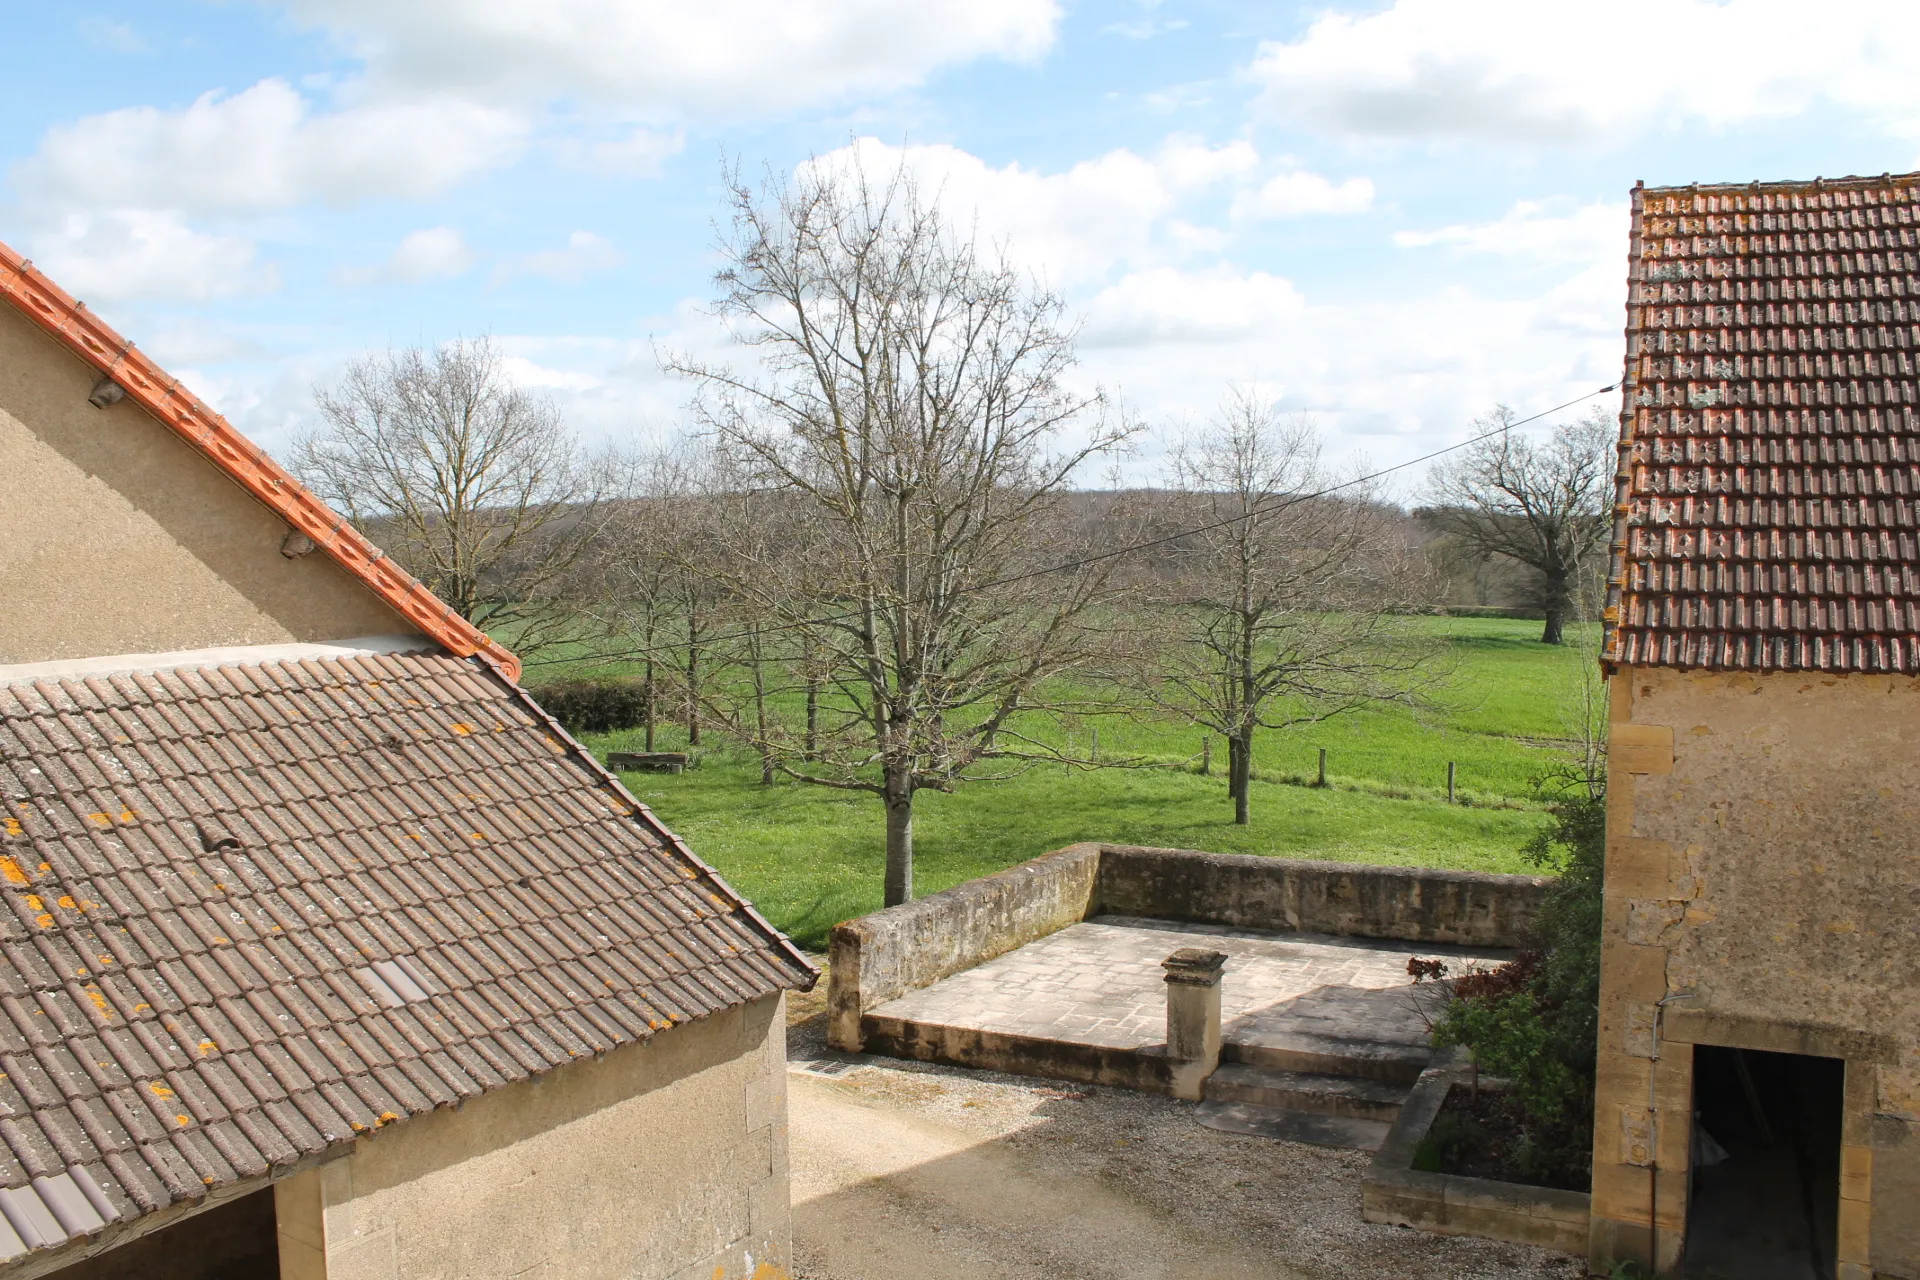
{"x": 641, "y": 574}
{"x": 909, "y": 394}
{"x": 472, "y": 483}
{"x": 1543, "y": 506}
{"x": 1281, "y": 609}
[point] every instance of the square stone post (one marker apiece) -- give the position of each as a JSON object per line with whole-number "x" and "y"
{"x": 1193, "y": 1018}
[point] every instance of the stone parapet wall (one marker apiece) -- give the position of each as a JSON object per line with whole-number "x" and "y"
{"x": 883, "y": 956}
{"x": 1410, "y": 904}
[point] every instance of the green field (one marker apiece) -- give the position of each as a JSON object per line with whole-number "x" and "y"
{"x": 810, "y": 856}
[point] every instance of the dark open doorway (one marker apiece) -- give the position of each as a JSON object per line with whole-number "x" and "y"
{"x": 1765, "y": 1199}
{"x": 233, "y": 1241}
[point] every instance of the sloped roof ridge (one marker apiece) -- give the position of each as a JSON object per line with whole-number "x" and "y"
{"x": 1850, "y": 182}
{"x": 69, "y": 321}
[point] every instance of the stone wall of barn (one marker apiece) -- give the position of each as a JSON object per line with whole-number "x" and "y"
{"x": 663, "y": 1160}
{"x": 1762, "y": 892}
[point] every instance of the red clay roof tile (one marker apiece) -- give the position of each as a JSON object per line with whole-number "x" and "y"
{"x": 1770, "y": 444}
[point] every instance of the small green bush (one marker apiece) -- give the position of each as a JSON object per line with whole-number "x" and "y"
{"x": 595, "y": 706}
{"x": 1536, "y": 1020}
{"x": 1449, "y": 1138}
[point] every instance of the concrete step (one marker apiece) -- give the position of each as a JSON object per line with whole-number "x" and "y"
{"x": 1327, "y": 1056}
{"x": 1353, "y": 1096}
{"x": 1312, "y": 1127}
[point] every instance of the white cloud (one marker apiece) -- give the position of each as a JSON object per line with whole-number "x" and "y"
{"x": 1187, "y": 163}
{"x": 725, "y": 56}
{"x": 642, "y": 153}
{"x": 1387, "y": 379}
{"x": 129, "y": 254}
{"x": 453, "y": 88}
{"x": 432, "y": 253}
{"x": 1541, "y": 230}
{"x": 1164, "y": 305}
{"x": 585, "y": 254}
{"x": 525, "y": 372}
{"x": 264, "y": 149}
{"x": 1073, "y": 226}
{"x": 1144, "y": 28}
{"x": 1297, "y": 194}
{"x": 191, "y": 340}
{"x": 111, "y": 196}
{"x": 113, "y": 37}
{"x": 436, "y": 253}
{"x": 1587, "y": 70}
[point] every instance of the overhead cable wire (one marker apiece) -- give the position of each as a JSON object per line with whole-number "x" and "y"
{"x": 1272, "y": 507}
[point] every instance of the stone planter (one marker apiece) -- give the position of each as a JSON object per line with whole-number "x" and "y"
{"x": 1398, "y": 1194}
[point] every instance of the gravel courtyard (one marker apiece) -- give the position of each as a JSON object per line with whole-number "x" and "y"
{"x": 908, "y": 1170}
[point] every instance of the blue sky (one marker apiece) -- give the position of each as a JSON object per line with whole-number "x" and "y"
{"x": 1389, "y": 215}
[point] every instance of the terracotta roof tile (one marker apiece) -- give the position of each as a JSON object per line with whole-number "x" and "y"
{"x": 181, "y": 1013}
{"x": 1770, "y": 452}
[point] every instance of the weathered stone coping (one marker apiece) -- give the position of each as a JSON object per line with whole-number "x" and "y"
{"x": 883, "y": 956}
{"x": 1397, "y": 1194}
{"x": 1249, "y": 891}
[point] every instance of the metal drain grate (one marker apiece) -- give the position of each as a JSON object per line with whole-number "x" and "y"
{"x": 827, "y": 1066}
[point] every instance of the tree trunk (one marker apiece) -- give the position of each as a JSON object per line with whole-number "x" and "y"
{"x": 1233, "y": 767}
{"x": 693, "y": 696}
{"x": 653, "y": 717}
{"x": 1558, "y": 597}
{"x": 760, "y": 716}
{"x": 813, "y": 716}
{"x": 899, "y": 799}
{"x": 1242, "y": 774}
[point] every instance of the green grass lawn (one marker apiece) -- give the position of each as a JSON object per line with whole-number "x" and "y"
{"x": 810, "y": 856}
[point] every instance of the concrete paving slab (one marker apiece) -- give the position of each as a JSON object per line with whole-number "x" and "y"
{"x": 1100, "y": 982}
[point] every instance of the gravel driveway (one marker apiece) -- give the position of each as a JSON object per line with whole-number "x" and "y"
{"x": 908, "y": 1170}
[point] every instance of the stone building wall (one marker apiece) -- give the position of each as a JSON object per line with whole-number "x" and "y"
{"x": 1763, "y": 888}
{"x": 659, "y": 1161}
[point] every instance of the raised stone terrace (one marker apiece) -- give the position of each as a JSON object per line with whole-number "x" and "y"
{"x": 1064, "y": 967}
{"x": 1310, "y": 1023}
{"x": 1100, "y": 982}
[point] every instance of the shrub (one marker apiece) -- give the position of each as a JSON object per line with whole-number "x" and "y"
{"x": 1535, "y": 1020}
{"x": 1449, "y": 1139}
{"x": 595, "y": 706}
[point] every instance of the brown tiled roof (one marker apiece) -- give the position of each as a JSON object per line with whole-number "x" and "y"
{"x": 254, "y": 911}
{"x": 1770, "y": 451}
